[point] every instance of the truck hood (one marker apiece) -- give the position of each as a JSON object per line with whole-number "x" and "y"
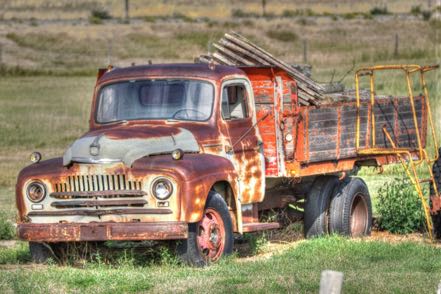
{"x": 123, "y": 144}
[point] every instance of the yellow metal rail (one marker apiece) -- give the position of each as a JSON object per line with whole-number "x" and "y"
{"x": 405, "y": 155}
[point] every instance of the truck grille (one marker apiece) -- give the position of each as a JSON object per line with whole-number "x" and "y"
{"x": 98, "y": 191}
{"x": 95, "y": 183}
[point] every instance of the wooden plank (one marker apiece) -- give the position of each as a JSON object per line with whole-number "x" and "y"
{"x": 239, "y": 59}
{"x": 234, "y": 49}
{"x": 250, "y": 54}
{"x": 222, "y": 60}
{"x": 245, "y": 43}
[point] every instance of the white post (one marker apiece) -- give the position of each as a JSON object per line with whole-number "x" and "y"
{"x": 331, "y": 282}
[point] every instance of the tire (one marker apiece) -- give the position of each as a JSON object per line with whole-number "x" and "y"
{"x": 316, "y": 218}
{"x": 351, "y": 209}
{"x": 201, "y": 248}
{"x": 436, "y": 218}
{"x": 40, "y": 252}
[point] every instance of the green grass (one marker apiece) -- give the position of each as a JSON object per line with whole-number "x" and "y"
{"x": 39, "y": 113}
{"x": 368, "y": 266}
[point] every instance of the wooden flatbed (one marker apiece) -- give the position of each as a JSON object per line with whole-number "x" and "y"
{"x": 304, "y": 141}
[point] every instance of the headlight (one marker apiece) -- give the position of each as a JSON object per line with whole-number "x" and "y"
{"x": 36, "y": 191}
{"x": 162, "y": 188}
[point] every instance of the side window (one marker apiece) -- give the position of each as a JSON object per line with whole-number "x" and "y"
{"x": 234, "y": 102}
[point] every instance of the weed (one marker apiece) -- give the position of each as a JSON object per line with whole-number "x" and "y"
{"x": 167, "y": 257}
{"x": 399, "y": 207}
{"x": 257, "y": 242}
{"x": 7, "y": 230}
{"x": 15, "y": 255}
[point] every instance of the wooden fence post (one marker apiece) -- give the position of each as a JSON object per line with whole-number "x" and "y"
{"x": 331, "y": 282}
{"x": 263, "y": 7}
{"x": 126, "y": 10}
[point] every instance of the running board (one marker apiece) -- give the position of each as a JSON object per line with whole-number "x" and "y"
{"x": 253, "y": 227}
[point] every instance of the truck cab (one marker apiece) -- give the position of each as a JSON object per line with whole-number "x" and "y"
{"x": 173, "y": 152}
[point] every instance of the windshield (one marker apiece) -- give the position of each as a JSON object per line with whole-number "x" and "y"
{"x": 155, "y": 99}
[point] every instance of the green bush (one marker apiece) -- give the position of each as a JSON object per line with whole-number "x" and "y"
{"x": 415, "y": 10}
{"x": 400, "y": 207}
{"x": 7, "y": 230}
{"x": 427, "y": 14}
{"x": 100, "y": 13}
{"x": 379, "y": 10}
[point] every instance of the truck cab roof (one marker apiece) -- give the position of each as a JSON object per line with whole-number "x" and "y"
{"x": 191, "y": 70}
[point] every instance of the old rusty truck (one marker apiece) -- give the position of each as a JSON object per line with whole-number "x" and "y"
{"x": 196, "y": 153}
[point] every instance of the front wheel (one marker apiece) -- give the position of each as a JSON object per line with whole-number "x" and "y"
{"x": 210, "y": 238}
{"x": 42, "y": 252}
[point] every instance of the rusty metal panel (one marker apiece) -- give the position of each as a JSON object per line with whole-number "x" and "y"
{"x": 278, "y": 112}
{"x": 101, "y": 212}
{"x": 102, "y": 231}
{"x": 264, "y": 102}
{"x": 281, "y": 121}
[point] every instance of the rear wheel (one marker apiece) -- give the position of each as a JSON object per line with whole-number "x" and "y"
{"x": 316, "y": 218}
{"x": 210, "y": 238}
{"x": 351, "y": 209}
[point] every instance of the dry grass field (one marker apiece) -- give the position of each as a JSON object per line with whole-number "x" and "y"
{"x": 65, "y": 9}
{"x": 42, "y": 36}
{"x": 49, "y": 53}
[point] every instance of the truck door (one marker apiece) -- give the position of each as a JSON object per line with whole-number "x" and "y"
{"x": 245, "y": 150}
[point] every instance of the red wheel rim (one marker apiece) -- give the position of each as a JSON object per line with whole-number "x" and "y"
{"x": 211, "y": 235}
{"x": 359, "y": 216}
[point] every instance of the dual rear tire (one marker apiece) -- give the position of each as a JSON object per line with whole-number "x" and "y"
{"x": 338, "y": 207}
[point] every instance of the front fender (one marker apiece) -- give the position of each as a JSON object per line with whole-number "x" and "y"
{"x": 199, "y": 172}
{"x": 213, "y": 169}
